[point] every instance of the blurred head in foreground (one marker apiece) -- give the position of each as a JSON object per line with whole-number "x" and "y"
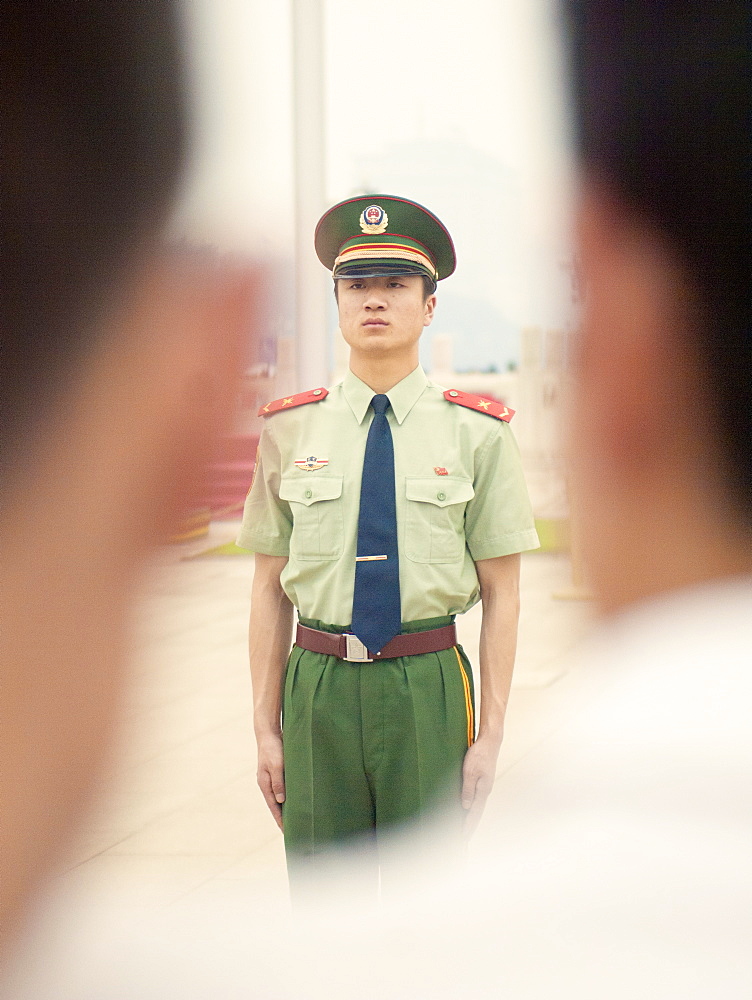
{"x": 663, "y": 370}
{"x": 114, "y": 381}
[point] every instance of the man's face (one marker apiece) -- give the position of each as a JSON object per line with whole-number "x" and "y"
{"x": 384, "y": 315}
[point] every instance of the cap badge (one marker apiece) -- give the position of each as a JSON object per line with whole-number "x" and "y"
{"x": 373, "y": 220}
{"x": 311, "y": 463}
{"x": 440, "y": 470}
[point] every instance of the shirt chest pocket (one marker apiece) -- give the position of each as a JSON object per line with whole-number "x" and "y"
{"x": 316, "y": 505}
{"x": 435, "y": 521}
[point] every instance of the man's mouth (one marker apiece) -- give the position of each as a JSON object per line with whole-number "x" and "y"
{"x": 375, "y": 322}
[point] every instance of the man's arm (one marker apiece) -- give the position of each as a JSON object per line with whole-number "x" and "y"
{"x": 500, "y": 593}
{"x": 270, "y": 634}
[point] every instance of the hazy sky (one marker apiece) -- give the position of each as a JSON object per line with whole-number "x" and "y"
{"x": 480, "y": 72}
{"x": 458, "y": 105}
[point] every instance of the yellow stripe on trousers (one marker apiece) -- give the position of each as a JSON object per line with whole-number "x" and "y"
{"x": 468, "y": 700}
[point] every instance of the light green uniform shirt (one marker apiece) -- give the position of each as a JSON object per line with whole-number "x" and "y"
{"x": 479, "y": 509}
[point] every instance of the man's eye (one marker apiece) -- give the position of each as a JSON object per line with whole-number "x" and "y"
{"x": 396, "y": 284}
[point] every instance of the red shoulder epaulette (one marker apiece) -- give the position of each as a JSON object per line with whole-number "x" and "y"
{"x": 290, "y": 402}
{"x": 480, "y": 403}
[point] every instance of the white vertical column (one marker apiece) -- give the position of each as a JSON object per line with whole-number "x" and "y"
{"x": 312, "y": 285}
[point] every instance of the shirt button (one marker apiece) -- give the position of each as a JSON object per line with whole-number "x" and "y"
{"x": 453, "y": 393}
{"x": 441, "y": 496}
{"x": 309, "y": 494}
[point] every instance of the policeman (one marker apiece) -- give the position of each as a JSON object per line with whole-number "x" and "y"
{"x": 380, "y": 509}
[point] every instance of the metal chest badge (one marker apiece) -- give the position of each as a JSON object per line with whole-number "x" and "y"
{"x": 373, "y": 220}
{"x": 311, "y": 464}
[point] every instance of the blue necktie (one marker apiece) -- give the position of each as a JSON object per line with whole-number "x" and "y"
{"x": 376, "y": 616}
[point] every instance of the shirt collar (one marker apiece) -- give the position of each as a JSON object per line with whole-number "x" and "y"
{"x": 402, "y": 397}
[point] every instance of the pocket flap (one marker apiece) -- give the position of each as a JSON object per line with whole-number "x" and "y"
{"x": 440, "y": 490}
{"x": 310, "y": 489}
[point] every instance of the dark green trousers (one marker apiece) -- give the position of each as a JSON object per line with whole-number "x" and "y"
{"x": 371, "y": 746}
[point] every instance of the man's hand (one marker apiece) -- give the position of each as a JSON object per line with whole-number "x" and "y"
{"x": 270, "y": 775}
{"x": 478, "y": 775}
{"x": 270, "y": 635}
{"x": 499, "y": 590}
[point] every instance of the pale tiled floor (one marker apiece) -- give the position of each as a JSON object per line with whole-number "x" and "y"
{"x": 183, "y": 817}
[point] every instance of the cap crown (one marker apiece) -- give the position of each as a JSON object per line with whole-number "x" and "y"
{"x": 393, "y": 235}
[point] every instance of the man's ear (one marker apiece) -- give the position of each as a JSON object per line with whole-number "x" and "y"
{"x": 430, "y": 310}
{"x": 625, "y": 358}
{"x": 106, "y": 478}
{"x": 166, "y": 383}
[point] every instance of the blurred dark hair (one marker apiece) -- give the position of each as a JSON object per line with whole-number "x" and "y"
{"x": 663, "y": 116}
{"x": 93, "y": 127}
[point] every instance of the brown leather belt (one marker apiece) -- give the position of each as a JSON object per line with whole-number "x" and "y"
{"x": 347, "y": 646}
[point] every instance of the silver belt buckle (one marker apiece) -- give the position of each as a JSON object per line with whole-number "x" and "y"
{"x": 356, "y": 651}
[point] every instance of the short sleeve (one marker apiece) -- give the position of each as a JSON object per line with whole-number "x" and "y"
{"x": 267, "y": 520}
{"x": 499, "y": 519}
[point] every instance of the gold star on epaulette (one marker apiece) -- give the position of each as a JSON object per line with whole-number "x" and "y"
{"x": 290, "y": 402}
{"x": 480, "y": 404}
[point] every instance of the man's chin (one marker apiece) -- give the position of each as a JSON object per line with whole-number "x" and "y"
{"x": 376, "y": 342}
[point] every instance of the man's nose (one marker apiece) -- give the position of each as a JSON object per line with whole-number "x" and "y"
{"x": 375, "y": 299}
